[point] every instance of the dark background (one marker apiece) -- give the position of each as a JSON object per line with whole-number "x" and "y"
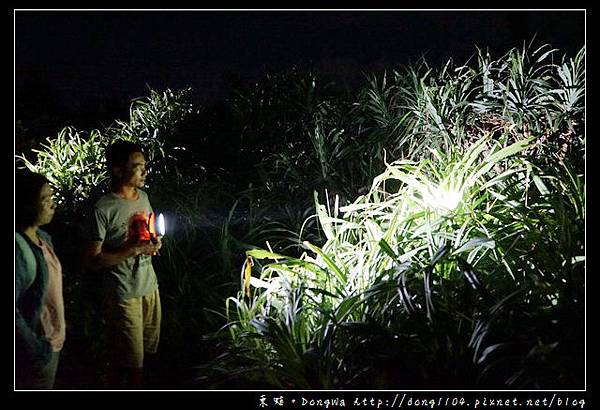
{"x": 82, "y": 68}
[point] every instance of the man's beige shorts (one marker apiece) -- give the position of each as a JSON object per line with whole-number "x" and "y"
{"x": 134, "y": 329}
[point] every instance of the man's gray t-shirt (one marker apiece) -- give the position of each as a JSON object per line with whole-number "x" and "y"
{"x": 116, "y": 221}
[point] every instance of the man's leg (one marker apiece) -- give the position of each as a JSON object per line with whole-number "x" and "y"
{"x": 127, "y": 343}
{"x": 152, "y": 320}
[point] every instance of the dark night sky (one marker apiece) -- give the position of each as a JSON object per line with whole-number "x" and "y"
{"x": 83, "y": 67}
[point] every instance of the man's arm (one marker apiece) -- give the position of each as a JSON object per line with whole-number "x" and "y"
{"x": 95, "y": 258}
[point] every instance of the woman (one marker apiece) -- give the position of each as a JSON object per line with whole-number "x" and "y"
{"x": 39, "y": 307}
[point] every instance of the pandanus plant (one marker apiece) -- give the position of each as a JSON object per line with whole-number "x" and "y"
{"x": 440, "y": 274}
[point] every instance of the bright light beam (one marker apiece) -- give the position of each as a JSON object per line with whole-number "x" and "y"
{"x": 442, "y": 199}
{"x": 161, "y": 225}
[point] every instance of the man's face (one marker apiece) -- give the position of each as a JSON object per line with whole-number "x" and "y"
{"x": 134, "y": 172}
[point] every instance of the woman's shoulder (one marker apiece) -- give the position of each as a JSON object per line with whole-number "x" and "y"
{"x": 20, "y": 242}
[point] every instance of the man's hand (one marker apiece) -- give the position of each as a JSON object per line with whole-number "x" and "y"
{"x": 145, "y": 248}
{"x": 97, "y": 258}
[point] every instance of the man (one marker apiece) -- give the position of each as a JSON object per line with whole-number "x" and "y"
{"x": 120, "y": 247}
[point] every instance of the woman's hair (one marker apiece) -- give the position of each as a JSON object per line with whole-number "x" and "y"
{"x": 28, "y": 186}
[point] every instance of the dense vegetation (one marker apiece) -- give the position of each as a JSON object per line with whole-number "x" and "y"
{"x": 424, "y": 231}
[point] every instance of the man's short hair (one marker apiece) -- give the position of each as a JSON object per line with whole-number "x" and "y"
{"x": 117, "y": 154}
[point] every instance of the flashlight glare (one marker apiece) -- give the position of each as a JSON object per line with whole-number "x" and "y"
{"x": 442, "y": 199}
{"x": 161, "y": 225}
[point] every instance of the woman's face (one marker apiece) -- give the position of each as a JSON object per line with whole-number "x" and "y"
{"x": 46, "y": 205}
